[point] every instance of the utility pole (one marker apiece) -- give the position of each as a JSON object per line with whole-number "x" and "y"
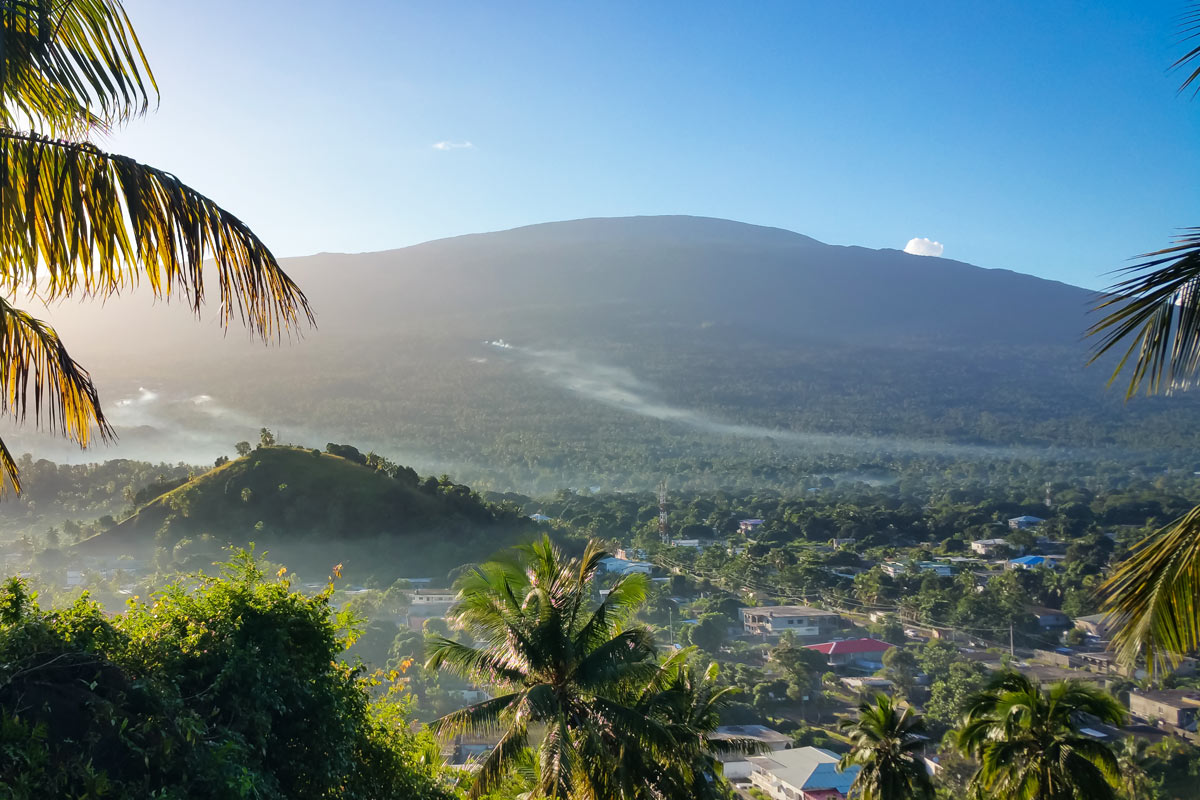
{"x": 1011, "y": 650}
{"x": 671, "y": 626}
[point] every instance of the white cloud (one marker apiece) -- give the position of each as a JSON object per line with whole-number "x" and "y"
{"x": 452, "y": 145}
{"x": 923, "y": 247}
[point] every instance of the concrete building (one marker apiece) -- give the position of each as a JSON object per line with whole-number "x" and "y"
{"x": 1176, "y": 707}
{"x": 803, "y": 773}
{"x": 1050, "y": 619}
{"x": 985, "y": 547}
{"x": 1024, "y": 522}
{"x": 749, "y": 526}
{"x": 803, "y": 621}
{"x": 737, "y": 765}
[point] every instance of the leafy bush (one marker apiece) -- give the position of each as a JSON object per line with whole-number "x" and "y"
{"x": 221, "y": 687}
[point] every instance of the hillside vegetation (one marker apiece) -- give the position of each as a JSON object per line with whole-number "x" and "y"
{"x": 727, "y": 353}
{"x": 290, "y": 495}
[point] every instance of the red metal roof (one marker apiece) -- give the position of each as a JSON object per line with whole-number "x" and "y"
{"x": 851, "y": 647}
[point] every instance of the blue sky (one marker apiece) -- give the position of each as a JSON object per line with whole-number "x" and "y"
{"x": 1041, "y": 137}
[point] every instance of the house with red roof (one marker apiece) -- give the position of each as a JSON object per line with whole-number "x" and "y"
{"x": 865, "y": 653}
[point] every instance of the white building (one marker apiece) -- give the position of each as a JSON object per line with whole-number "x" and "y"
{"x": 985, "y": 547}
{"x": 804, "y": 773}
{"x": 897, "y": 568}
{"x": 736, "y": 766}
{"x": 800, "y": 620}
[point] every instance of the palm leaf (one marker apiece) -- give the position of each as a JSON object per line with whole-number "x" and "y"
{"x": 1152, "y": 596}
{"x": 1157, "y": 308}
{"x": 36, "y": 362}
{"x": 1190, "y": 25}
{"x": 96, "y": 224}
{"x": 61, "y": 60}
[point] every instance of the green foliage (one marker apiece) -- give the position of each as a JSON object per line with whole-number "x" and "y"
{"x": 613, "y": 721}
{"x": 222, "y": 686}
{"x": 886, "y": 741}
{"x": 285, "y": 494}
{"x": 1028, "y": 744}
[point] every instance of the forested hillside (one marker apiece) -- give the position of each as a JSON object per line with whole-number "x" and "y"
{"x": 335, "y": 502}
{"x": 609, "y": 352}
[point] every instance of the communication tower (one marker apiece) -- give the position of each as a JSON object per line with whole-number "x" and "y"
{"x": 662, "y": 512}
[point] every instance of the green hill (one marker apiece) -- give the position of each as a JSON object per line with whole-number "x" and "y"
{"x": 281, "y": 496}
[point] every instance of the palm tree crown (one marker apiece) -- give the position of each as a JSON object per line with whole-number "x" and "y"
{"x": 885, "y": 742}
{"x": 574, "y": 676}
{"x": 76, "y": 221}
{"x": 1028, "y": 744}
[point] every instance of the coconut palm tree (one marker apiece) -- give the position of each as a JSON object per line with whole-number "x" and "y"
{"x": 885, "y": 742}
{"x": 1153, "y": 315}
{"x": 1028, "y": 742}
{"x": 77, "y": 222}
{"x": 568, "y": 671}
{"x": 688, "y": 704}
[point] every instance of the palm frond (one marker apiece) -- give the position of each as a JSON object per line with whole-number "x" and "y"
{"x": 36, "y": 362}
{"x": 97, "y": 224}
{"x": 470, "y": 662}
{"x": 1190, "y": 27}
{"x": 1152, "y": 596}
{"x": 482, "y": 716}
{"x": 1157, "y": 309}
{"x": 507, "y": 752}
{"x": 63, "y": 60}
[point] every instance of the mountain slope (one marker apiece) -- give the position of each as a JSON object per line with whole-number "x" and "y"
{"x": 723, "y": 351}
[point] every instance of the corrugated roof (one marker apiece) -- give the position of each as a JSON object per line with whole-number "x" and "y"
{"x": 851, "y": 647}
{"x": 807, "y": 768}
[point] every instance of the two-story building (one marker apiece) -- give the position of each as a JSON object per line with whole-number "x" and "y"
{"x": 803, "y": 621}
{"x": 803, "y": 773}
{"x": 985, "y": 547}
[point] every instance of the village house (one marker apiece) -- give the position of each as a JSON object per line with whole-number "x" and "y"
{"x": 426, "y": 604}
{"x": 864, "y": 653}
{"x": 631, "y": 554}
{"x": 985, "y": 547}
{"x": 803, "y": 621}
{"x": 1175, "y": 707}
{"x": 1097, "y": 625}
{"x": 1031, "y": 562}
{"x": 693, "y": 543}
{"x": 747, "y": 527}
{"x": 803, "y": 773}
{"x": 897, "y": 568}
{"x": 1049, "y": 619}
{"x": 1024, "y": 522}
{"x": 736, "y": 766}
